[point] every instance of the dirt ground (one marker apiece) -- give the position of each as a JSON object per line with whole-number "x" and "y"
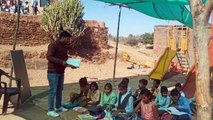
{"x": 36, "y": 107}
{"x": 93, "y": 71}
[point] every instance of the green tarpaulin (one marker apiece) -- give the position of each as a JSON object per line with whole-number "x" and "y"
{"x": 165, "y": 11}
{"x": 162, "y": 9}
{"x": 181, "y": 2}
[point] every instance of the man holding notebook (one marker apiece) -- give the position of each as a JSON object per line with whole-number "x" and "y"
{"x": 57, "y": 57}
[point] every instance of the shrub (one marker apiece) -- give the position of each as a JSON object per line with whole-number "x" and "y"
{"x": 148, "y": 38}
{"x": 64, "y": 16}
{"x": 132, "y": 42}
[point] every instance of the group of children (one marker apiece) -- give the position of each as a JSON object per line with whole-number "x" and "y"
{"x": 12, "y": 6}
{"x": 144, "y": 104}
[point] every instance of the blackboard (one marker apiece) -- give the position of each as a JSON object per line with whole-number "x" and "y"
{"x": 20, "y": 71}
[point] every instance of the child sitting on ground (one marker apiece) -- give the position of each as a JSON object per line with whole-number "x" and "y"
{"x": 93, "y": 94}
{"x": 124, "y": 104}
{"x": 162, "y": 100}
{"x": 178, "y": 86}
{"x": 108, "y": 99}
{"x": 182, "y": 104}
{"x": 126, "y": 81}
{"x": 77, "y": 99}
{"x": 192, "y": 101}
{"x": 155, "y": 90}
{"x": 93, "y": 97}
{"x": 147, "y": 106}
{"x": 142, "y": 85}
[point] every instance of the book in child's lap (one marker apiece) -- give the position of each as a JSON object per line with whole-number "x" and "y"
{"x": 86, "y": 117}
{"x": 174, "y": 111}
{"x": 74, "y": 62}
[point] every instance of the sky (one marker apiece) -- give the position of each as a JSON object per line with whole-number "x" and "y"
{"x": 132, "y": 21}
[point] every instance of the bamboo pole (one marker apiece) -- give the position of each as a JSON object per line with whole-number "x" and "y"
{"x": 15, "y": 37}
{"x": 116, "y": 48}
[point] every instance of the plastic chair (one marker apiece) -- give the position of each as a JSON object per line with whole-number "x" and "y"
{"x": 9, "y": 91}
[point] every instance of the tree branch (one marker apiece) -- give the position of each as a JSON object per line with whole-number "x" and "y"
{"x": 196, "y": 7}
{"x": 208, "y": 8}
{"x": 209, "y": 5}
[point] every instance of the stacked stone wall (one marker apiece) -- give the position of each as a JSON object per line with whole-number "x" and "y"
{"x": 32, "y": 35}
{"x": 30, "y": 32}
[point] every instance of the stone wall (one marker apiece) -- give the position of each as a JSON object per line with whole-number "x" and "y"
{"x": 31, "y": 35}
{"x": 95, "y": 35}
{"x": 160, "y": 40}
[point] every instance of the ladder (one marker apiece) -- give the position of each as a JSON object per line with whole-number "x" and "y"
{"x": 183, "y": 60}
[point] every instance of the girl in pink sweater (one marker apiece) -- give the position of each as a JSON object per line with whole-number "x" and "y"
{"x": 147, "y": 106}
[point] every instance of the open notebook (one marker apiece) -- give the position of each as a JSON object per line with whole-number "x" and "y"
{"x": 74, "y": 62}
{"x": 174, "y": 111}
{"x": 86, "y": 117}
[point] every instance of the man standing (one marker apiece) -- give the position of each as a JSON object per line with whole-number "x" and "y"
{"x": 57, "y": 56}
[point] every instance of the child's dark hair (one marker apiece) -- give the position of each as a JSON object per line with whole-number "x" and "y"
{"x": 83, "y": 82}
{"x": 122, "y": 84}
{"x": 143, "y": 81}
{"x": 125, "y": 80}
{"x": 108, "y": 85}
{"x": 157, "y": 82}
{"x": 174, "y": 92}
{"x": 163, "y": 89}
{"x": 94, "y": 84}
{"x": 147, "y": 93}
{"x": 178, "y": 85}
{"x": 64, "y": 34}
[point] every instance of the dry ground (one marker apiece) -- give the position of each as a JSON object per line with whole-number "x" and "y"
{"x": 95, "y": 72}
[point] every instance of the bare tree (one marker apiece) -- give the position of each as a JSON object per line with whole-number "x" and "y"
{"x": 201, "y": 14}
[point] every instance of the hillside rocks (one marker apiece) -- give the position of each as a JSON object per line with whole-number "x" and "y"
{"x": 31, "y": 34}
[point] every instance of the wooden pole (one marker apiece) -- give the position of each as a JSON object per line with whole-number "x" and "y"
{"x": 15, "y": 37}
{"x": 116, "y": 48}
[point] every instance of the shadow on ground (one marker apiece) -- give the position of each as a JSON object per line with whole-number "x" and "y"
{"x": 35, "y": 108}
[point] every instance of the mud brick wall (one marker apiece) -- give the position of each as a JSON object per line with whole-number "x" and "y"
{"x": 95, "y": 35}
{"x": 161, "y": 40}
{"x": 31, "y": 34}
{"x": 33, "y": 59}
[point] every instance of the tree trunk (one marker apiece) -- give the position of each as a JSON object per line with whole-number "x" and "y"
{"x": 200, "y": 30}
{"x": 203, "y": 96}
